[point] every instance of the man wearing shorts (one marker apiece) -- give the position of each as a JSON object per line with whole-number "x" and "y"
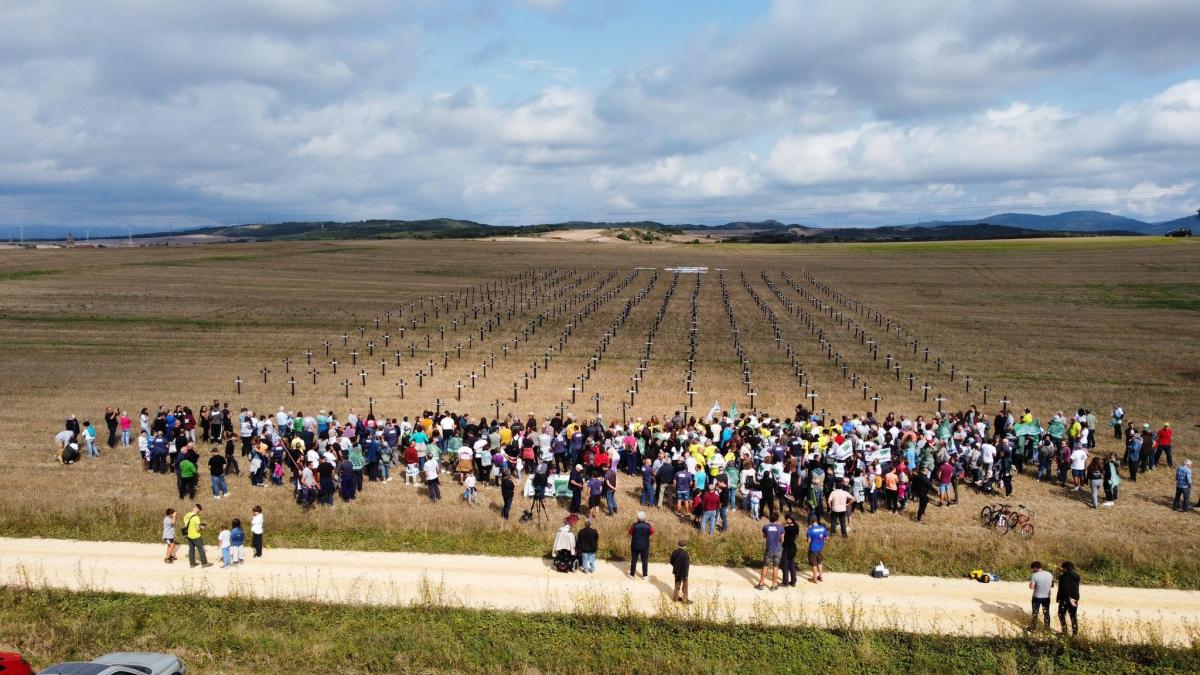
{"x": 772, "y": 551}
{"x": 816, "y": 548}
{"x": 1040, "y": 582}
{"x": 683, "y": 491}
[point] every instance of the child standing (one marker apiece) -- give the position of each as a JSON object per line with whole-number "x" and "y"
{"x": 755, "y": 500}
{"x": 168, "y": 535}
{"x": 469, "y": 488}
{"x": 256, "y": 530}
{"x": 223, "y": 540}
{"x": 89, "y": 434}
{"x": 236, "y": 539}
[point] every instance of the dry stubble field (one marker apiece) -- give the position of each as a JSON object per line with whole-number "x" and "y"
{"x": 1050, "y": 324}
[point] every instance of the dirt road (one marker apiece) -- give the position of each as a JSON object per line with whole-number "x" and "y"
{"x": 922, "y": 604}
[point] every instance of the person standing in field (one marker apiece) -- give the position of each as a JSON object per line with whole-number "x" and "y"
{"x": 168, "y": 535}
{"x": 1164, "y": 439}
{"x": 1040, "y": 582}
{"x": 192, "y": 528}
{"x": 772, "y": 534}
{"x": 432, "y": 469}
{"x": 1068, "y": 597}
{"x": 639, "y": 545}
{"x": 839, "y": 503}
{"x": 681, "y": 563}
{"x": 507, "y": 489}
{"x": 921, "y": 488}
{"x": 1095, "y": 477}
{"x": 1183, "y": 487}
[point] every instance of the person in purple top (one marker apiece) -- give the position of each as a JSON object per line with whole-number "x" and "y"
{"x": 647, "y": 483}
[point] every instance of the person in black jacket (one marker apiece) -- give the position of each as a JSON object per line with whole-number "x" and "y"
{"x": 587, "y": 542}
{"x": 681, "y": 564}
{"x": 507, "y": 488}
{"x": 921, "y": 487}
{"x": 791, "y": 531}
{"x": 1068, "y": 597}
{"x": 639, "y": 545}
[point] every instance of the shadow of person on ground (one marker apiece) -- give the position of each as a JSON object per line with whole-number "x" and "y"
{"x": 1010, "y": 612}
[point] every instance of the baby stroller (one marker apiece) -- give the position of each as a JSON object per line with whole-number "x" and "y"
{"x": 986, "y": 485}
{"x": 565, "y": 561}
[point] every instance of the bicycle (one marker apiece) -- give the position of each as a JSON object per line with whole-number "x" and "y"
{"x": 1003, "y": 517}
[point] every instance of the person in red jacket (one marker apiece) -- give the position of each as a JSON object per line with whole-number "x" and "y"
{"x": 710, "y": 506}
{"x": 1163, "y": 439}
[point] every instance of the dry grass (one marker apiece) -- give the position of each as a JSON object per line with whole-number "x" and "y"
{"x": 1052, "y": 325}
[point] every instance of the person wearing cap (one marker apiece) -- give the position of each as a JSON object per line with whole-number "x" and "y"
{"x": 1163, "y": 439}
{"x": 1148, "y": 443}
{"x": 681, "y": 563}
{"x": 576, "y": 483}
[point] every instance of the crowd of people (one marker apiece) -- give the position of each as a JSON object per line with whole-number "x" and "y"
{"x": 808, "y": 467}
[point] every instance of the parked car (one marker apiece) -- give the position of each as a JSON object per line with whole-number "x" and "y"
{"x": 1179, "y": 232}
{"x": 121, "y": 663}
{"x": 12, "y": 663}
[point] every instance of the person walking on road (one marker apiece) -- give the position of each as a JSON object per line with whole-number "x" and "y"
{"x": 192, "y": 528}
{"x": 681, "y": 563}
{"x": 639, "y": 545}
{"x": 816, "y": 536}
{"x": 1040, "y": 582}
{"x": 1068, "y": 597}
{"x": 772, "y": 551}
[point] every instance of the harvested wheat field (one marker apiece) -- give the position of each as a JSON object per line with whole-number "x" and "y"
{"x": 1046, "y": 324}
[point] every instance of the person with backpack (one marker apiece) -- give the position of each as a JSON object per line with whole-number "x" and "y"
{"x": 639, "y": 545}
{"x": 193, "y": 531}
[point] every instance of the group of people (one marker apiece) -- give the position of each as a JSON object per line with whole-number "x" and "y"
{"x": 231, "y": 539}
{"x": 821, "y": 465}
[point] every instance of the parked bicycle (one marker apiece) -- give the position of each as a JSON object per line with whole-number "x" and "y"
{"x": 1003, "y": 517}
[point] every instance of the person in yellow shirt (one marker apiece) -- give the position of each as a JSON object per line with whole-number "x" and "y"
{"x": 506, "y": 435}
{"x": 192, "y": 530}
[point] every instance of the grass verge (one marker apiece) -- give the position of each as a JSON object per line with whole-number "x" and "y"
{"x": 244, "y": 635}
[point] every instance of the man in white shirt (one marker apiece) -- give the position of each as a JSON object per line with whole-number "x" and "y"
{"x": 987, "y": 457}
{"x": 1079, "y": 457}
{"x": 431, "y": 469}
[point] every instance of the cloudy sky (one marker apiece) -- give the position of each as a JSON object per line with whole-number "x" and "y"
{"x": 156, "y": 112}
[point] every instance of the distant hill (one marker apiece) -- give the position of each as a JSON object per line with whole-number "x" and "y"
{"x": 1070, "y": 221}
{"x": 1019, "y": 224}
{"x": 913, "y": 233}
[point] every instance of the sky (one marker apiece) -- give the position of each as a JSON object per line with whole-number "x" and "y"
{"x": 157, "y": 114}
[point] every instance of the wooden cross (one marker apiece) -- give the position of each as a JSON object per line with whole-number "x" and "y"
{"x": 265, "y": 370}
{"x": 287, "y": 364}
{"x": 597, "y": 398}
{"x": 574, "y": 389}
{"x": 401, "y": 385}
{"x": 458, "y": 391}
{"x": 308, "y": 357}
{"x": 925, "y": 389}
{"x": 812, "y": 397}
{"x": 911, "y": 379}
{"x": 691, "y": 397}
{"x": 387, "y": 339}
{"x": 752, "y": 394}
{"x": 437, "y": 406}
{"x": 952, "y": 372}
{"x": 345, "y": 339}
{"x": 926, "y": 355}
{"x": 314, "y": 372}
{"x": 526, "y": 376}
{"x": 371, "y": 401}
{"x": 876, "y": 398}
{"x": 968, "y": 380}
{"x": 420, "y": 379}
{"x": 865, "y": 387}
{"x": 1004, "y": 402}
{"x": 632, "y": 392}
{"x": 334, "y": 363}
{"x": 624, "y": 410}
{"x": 327, "y": 346}
{"x": 370, "y": 349}
{"x": 346, "y": 387}
{"x": 362, "y": 374}
{"x": 383, "y": 367}
{"x": 397, "y": 355}
{"x": 940, "y": 399}
{"x": 514, "y": 392}
{"x": 985, "y": 390}
{"x": 938, "y": 362}
{"x": 237, "y": 383}
{"x": 292, "y": 383}
{"x": 497, "y": 410}
{"x": 896, "y": 368}
{"x": 353, "y": 358}
{"x": 473, "y": 376}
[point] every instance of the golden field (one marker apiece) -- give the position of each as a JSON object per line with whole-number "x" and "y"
{"x": 1049, "y": 324}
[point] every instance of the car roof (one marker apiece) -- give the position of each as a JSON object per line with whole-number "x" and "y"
{"x": 150, "y": 662}
{"x": 75, "y": 668}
